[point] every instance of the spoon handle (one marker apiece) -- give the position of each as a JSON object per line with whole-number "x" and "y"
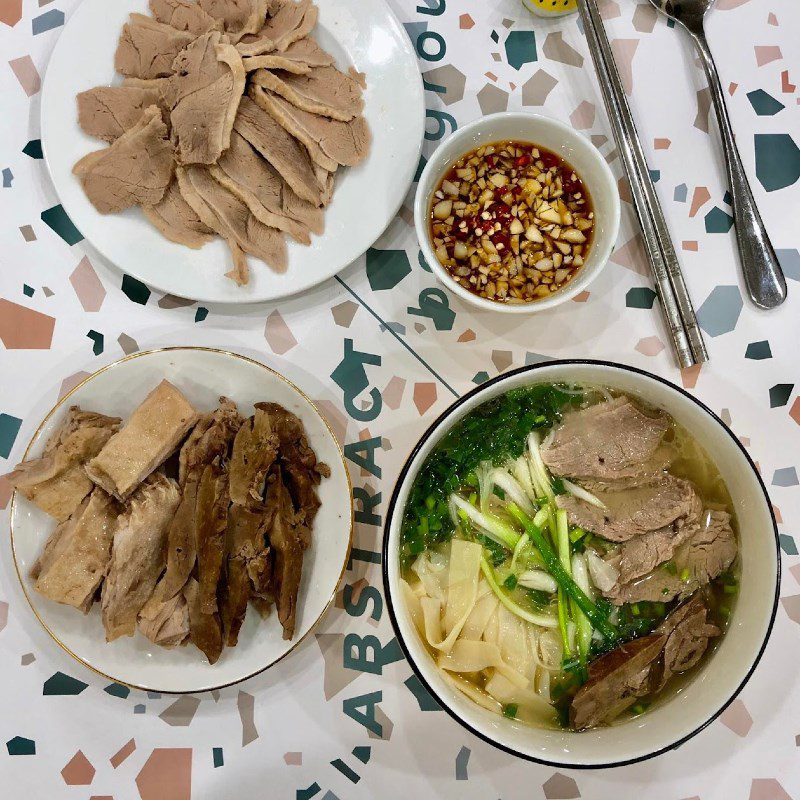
{"x": 763, "y": 276}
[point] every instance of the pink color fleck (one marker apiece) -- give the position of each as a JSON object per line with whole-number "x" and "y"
{"x": 650, "y": 346}
{"x": 766, "y": 54}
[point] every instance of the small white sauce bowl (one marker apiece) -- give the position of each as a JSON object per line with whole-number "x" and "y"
{"x": 553, "y": 135}
{"x": 714, "y": 684}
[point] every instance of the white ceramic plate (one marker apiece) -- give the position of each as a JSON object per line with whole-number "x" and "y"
{"x": 673, "y": 720}
{"x": 202, "y": 375}
{"x": 362, "y": 34}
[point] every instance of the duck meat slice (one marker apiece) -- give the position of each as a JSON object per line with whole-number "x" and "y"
{"x": 301, "y": 470}
{"x": 181, "y": 552}
{"x": 688, "y": 633}
{"x": 289, "y": 22}
{"x": 213, "y": 500}
{"x": 323, "y": 90}
{"x": 280, "y": 148}
{"x": 168, "y": 623}
{"x": 137, "y": 554}
{"x": 606, "y": 441}
{"x": 135, "y": 170}
{"x": 75, "y": 560}
{"x": 616, "y": 680}
{"x": 634, "y": 511}
{"x": 286, "y": 539}
{"x": 328, "y": 141}
{"x": 205, "y": 630}
{"x": 255, "y": 449}
{"x": 56, "y": 482}
{"x": 108, "y": 111}
{"x": 247, "y": 555}
{"x": 203, "y": 96}
{"x": 152, "y": 432}
{"x": 706, "y": 552}
{"x": 234, "y": 221}
{"x": 209, "y": 440}
{"x": 184, "y": 15}
{"x": 253, "y": 180}
{"x": 147, "y": 48}
{"x": 239, "y": 17}
{"x": 177, "y": 221}
{"x": 298, "y": 58}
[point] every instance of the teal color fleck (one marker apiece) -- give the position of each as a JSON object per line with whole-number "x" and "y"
{"x": 640, "y": 297}
{"x": 56, "y": 219}
{"x": 779, "y": 394}
{"x": 200, "y": 314}
{"x": 135, "y": 290}
{"x": 423, "y": 262}
{"x": 218, "y": 758}
{"x": 462, "y": 760}
{"x": 33, "y": 149}
{"x": 765, "y": 105}
{"x": 777, "y": 160}
{"x": 307, "y": 794}
{"x": 350, "y": 774}
{"x": 425, "y": 700}
{"x": 655, "y": 175}
{"x": 9, "y": 428}
{"x": 520, "y": 48}
{"x": 20, "y": 746}
{"x": 481, "y": 377}
{"x": 117, "y": 690}
{"x": 788, "y": 544}
{"x": 758, "y": 351}
{"x": 720, "y": 311}
{"x": 47, "y": 21}
{"x": 421, "y": 166}
{"x": 363, "y": 753}
{"x": 718, "y": 221}
{"x": 8, "y": 178}
{"x": 536, "y": 358}
{"x": 680, "y": 194}
{"x": 139, "y": 708}
{"x": 61, "y": 684}
{"x": 98, "y": 340}
{"x": 27, "y": 290}
{"x": 785, "y": 476}
{"x": 386, "y": 268}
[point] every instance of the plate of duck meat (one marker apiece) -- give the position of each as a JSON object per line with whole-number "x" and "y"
{"x": 232, "y": 150}
{"x": 181, "y": 520}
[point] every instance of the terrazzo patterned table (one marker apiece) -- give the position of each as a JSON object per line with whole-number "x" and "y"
{"x": 384, "y": 350}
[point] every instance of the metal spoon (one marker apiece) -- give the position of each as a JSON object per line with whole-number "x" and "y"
{"x": 763, "y": 276}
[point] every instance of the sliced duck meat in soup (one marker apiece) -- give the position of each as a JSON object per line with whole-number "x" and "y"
{"x": 606, "y": 441}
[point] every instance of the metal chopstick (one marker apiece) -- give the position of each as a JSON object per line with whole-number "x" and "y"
{"x": 673, "y": 294}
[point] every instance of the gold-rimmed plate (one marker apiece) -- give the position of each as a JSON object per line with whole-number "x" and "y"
{"x": 202, "y": 375}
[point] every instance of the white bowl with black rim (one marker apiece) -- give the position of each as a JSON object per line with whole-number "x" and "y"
{"x": 559, "y": 138}
{"x": 717, "y": 680}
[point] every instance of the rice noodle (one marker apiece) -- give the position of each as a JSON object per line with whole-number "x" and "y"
{"x": 472, "y": 692}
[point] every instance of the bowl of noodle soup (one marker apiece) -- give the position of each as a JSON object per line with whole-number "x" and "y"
{"x": 527, "y": 653}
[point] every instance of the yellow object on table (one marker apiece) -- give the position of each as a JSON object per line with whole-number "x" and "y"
{"x": 551, "y": 8}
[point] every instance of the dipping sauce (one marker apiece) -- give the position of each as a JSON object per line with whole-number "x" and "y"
{"x": 512, "y": 222}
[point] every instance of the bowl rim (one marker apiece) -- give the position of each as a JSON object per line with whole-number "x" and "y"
{"x": 385, "y": 556}
{"x": 573, "y": 288}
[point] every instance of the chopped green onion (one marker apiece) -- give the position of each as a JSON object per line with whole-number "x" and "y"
{"x": 473, "y": 498}
{"x": 523, "y": 540}
{"x": 510, "y": 582}
{"x": 730, "y": 588}
{"x": 725, "y": 611}
{"x": 510, "y": 711}
{"x": 471, "y": 479}
{"x": 553, "y": 564}
{"x": 671, "y": 567}
{"x": 576, "y": 534}
{"x": 685, "y": 574}
{"x": 490, "y": 526}
{"x": 639, "y": 708}
{"x": 422, "y": 528}
{"x": 430, "y": 502}
{"x": 545, "y": 620}
{"x": 635, "y": 610}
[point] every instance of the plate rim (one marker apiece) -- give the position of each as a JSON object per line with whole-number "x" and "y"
{"x": 62, "y": 400}
{"x": 406, "y": 182}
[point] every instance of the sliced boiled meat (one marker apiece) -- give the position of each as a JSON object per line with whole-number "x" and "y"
{"x": 184, "y": 15}
{"x": 298, "y": 58}
{"x": 606, "y": 441}
{"x": 239, "y": 17}
{"x": 289, "y": 22}
{"x": 635, "y": 511}
{"x": 176, "y": 220}
{"x": 147, "y": 48}
{"x": 108, "y": 111}
{"x": 135, "y": 170}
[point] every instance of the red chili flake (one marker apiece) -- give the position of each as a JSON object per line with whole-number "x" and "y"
{"x": 501, "y": 238}
{"x": 549, "y": 159}
{"x": 491, "y": 161}
{"x": 522, "y": 161}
